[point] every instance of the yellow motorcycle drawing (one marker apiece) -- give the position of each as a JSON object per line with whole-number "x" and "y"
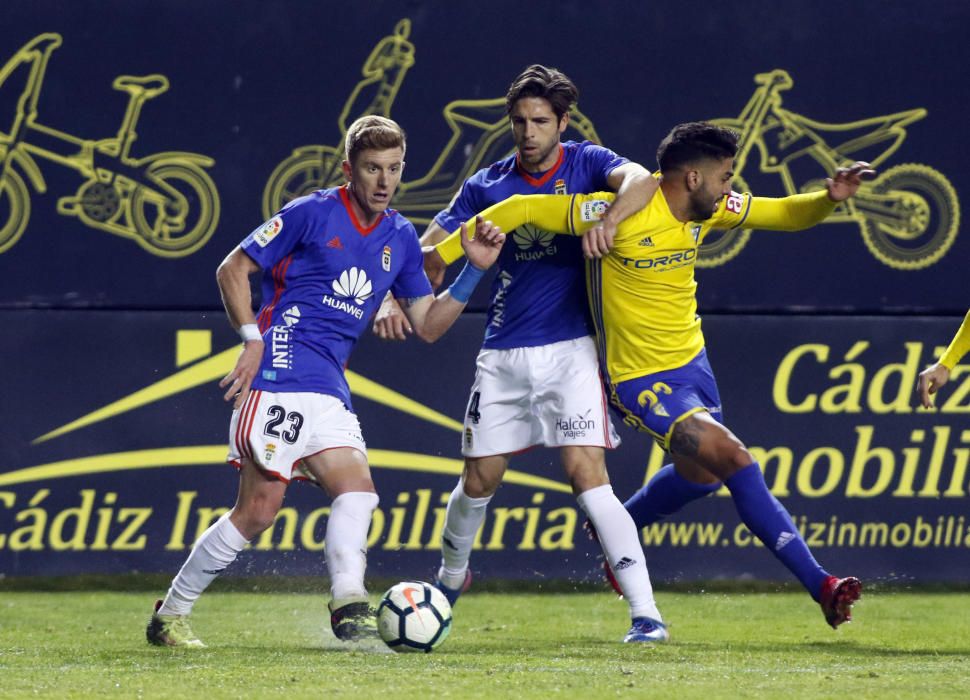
{"x": 165, "y": 202}
{"x": 909, "y": 215}
{"x": 479, "y": 135}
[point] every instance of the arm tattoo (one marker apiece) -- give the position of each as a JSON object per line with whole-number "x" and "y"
{"x": 410, "y": 301}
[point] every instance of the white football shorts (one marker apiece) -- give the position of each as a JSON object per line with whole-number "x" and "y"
{"x": 548, "y": 395}
{"x": 278, "y": 430}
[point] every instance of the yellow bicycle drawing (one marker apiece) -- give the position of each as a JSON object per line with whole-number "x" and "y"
{"x": 165, "y": 202}
{"x": 479, "y": 135}
{"x": 909, "y": 215}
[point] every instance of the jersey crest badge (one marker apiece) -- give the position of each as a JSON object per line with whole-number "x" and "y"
{"x": 560, "y": 186}
{"x": 386, "y": 259}
{"x": 268, "y": 231}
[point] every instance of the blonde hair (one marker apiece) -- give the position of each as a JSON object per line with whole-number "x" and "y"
{"x": 373, "y": 132}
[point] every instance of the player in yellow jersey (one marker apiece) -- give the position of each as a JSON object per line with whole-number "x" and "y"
{"x": 642, "y": 296}
{"x": 936, "y": 375}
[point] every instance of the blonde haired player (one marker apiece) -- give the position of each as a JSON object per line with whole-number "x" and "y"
{"x": 326, "y": 261}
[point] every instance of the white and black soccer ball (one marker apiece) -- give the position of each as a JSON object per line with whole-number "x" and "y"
{"x": 414, "y": 616}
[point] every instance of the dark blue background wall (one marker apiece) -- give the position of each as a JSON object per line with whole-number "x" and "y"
{"x": 251, "y": 82}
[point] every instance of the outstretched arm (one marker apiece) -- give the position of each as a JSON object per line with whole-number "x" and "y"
{"x": 794, "y": 213}
{"x": 432, "y": 316}
{"x": 936, "y": 375}
{"x": 550, "y": 212}
{"x": 846, "y": 181}
{"x": 801, "y": 211}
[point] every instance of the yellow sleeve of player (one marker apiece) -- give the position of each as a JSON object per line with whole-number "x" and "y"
{"x": 792, "y": 213}
{"x": 958, "y": 346}
{"x": 558, "y": 213}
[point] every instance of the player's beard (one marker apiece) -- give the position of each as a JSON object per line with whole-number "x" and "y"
{"x": 701, "y": 207}
{"x": 533, "y": 162}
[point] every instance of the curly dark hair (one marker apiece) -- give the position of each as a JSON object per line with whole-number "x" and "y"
{"x": 693, "y": 141}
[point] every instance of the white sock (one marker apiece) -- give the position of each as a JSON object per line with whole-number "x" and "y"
{"x": 346, "y": 544}
{"x": 214, "y": 551}
{"x": 618, "y": 536}
{"x": 464, "y": 516}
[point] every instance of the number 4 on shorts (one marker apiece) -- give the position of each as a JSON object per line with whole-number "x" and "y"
{"x": 473, "y": 413}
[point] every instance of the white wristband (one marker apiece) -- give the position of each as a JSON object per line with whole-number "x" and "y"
{"x": 250, "y": 331}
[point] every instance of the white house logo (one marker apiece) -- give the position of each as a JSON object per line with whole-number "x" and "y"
{"x": 291, "y": 316}
{"x": 353, "y": 285}
{"x": 575, "y": 426}
{"x": 533, "y": 243}
{"x": 280, "y": 343}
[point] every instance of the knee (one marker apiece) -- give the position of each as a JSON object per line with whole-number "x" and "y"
{"x": 738, "y": 457}
{"x": 480, "y": 482}
{"x": 254, "y": 517}
{"x": 587, "y": 476}
{"x": 585, "y": 468}
{"x": 710, "y": 444}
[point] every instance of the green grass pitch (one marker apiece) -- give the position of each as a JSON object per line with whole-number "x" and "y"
{"x": 504, "y": 645}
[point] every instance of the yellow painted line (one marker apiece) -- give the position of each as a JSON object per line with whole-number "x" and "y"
{"x": 362, "y": 386}
{"x": 219, "y": 366}
{"x": 206, "y": 371}
{"x": 208, "y": 455}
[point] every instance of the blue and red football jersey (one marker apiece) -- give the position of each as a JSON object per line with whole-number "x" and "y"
{"x": 324, "y": 276}
{"x": 538, "y": 295}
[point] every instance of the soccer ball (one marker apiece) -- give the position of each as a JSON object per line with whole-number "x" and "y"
{"x": 414, "y": 616}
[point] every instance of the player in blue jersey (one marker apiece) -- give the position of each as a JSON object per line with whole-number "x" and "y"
{"x": 537, "y": 380}
{"x": 327, "y": 260}
{"x": 644, "y": 305}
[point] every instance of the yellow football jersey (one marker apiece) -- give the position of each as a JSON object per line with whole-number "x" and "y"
{"x": 642, "y": 294}
{"x": 958, "y": 346}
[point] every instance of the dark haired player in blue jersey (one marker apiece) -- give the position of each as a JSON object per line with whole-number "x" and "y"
{"x": 643, "y": 300}
{"x": 327, "y": 260}
{"x": 537, "y": 380}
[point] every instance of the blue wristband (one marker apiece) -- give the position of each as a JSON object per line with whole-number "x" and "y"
{"x": 466, "y": 281}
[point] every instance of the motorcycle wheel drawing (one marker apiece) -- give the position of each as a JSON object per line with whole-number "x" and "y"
{"x": 909, "y": 216}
